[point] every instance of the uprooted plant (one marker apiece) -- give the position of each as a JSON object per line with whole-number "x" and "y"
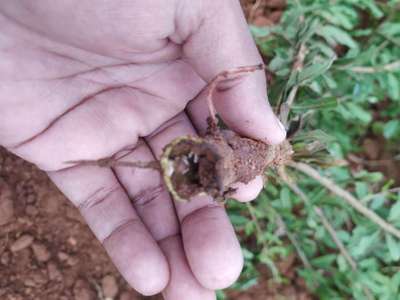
{"x": 353, "y": 240}
{"x": 212, "y": 163}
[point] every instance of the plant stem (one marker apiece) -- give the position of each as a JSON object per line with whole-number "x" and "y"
{"x": 349, "y": 198}
{"x": 325, "y": 222}
{"x": 320, "y": 213}
{"x": 253, "y": 10}
{"x": 390, "y": 67}
{"x": 295, "y": 243}
{"x": 298, "y": 65}
{"x": 254, "y": 218}
{"x": 389, "y": 191}
{"x": 259, "y": 232}
{"x": 223, "y": 76}
{"x": 114, "y": 162}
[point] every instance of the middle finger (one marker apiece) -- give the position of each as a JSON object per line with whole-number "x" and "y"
{"x": 154, "y": 206}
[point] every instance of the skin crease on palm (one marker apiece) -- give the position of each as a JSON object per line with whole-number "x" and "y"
{"x": 85, "y": 79}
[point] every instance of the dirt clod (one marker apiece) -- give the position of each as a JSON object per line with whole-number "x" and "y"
{"x": 53, "y": 272}
{"x": 109, "y": 286}
{"x": 6, "y": 205}
{"x": 41, "y": 253}
{"x": 82, "y": 291}
{"x": 5, "y": 258}
{"x": 24, "y": 241}
{"x": 129, "y": 296}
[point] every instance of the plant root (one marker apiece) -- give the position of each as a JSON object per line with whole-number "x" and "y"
{"x": 211, "y": 164}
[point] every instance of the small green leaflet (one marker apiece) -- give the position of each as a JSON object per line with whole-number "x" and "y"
{"x": 391, "y": 128}
{"x": 393, "y": 246}
{"x": 393, "y": 82}
{"x": 323, "y": 103}
{"x": 394, "y": 214}
{"x": 335, "y": 35}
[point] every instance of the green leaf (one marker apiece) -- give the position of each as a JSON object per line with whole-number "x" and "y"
{"x": 361, "y": 189}
{"x": 247, "y": 254}
{"x": 342, "y": 263}
{"x": 374, "y": 9}
{"x": 308, "y": 30}
{"x": 393, "y": 82}
{"x": 390, "y": 29}
{"x": 366, "y": 243}
{"x": 285, "y": 198}
{"x": 377, "y": 202}
{"x": 325, "y": 261}
{"x": 249, "y": 228}
{"x": 394, "y": 214}
{"x": 322, "y": 103}
{"x": 238, "y": 220}
{"x": 314, "y": 70}
{"x": 339, "y": 15}
{"x": 335, "y": 35}
{"x": 278, "y": 62}
{"x": 358, "y": 112}
{"x": 394, "y": 247}
{"x": 260, "y": 32}
{"x": 391, "y": 128}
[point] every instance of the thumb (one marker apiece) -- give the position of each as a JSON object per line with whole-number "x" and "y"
{"x": 218, "y": 39}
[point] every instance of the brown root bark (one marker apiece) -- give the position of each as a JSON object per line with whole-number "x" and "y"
{"x": 210, "y": 165}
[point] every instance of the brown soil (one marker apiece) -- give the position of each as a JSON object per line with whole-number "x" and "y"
{"x": 46, "y": 250}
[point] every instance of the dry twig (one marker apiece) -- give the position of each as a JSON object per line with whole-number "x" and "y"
{"x": 253, "y": 10}
{"x": 295, "y": 243}
{"x": 325, "y": 222}
{"x": 294, "y": 187}
{"x": 390, "y": 67}
{"x": 298, "y": 65}
{"x": 223, "y": 76}
{"x": 350, "y": 199}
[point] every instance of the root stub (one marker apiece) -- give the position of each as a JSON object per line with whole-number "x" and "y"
{"x": 192, "y": 166}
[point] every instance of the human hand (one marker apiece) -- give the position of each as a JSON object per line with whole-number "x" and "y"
{"x": 88, "y": 79}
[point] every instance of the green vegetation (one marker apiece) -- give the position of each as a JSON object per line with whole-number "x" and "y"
{"x": 336, "y": 66}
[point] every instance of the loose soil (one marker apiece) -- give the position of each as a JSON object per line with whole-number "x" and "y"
{"x": 48, "y": 252}
{"x": 46, "y": 249}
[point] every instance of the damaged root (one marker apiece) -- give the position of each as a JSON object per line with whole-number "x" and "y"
{"x": 210, "y": 165}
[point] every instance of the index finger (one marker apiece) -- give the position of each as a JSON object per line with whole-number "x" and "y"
{"x": 220, "y": 43}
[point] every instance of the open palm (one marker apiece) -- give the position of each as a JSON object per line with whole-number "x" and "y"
{"x": 90, "y": 79}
